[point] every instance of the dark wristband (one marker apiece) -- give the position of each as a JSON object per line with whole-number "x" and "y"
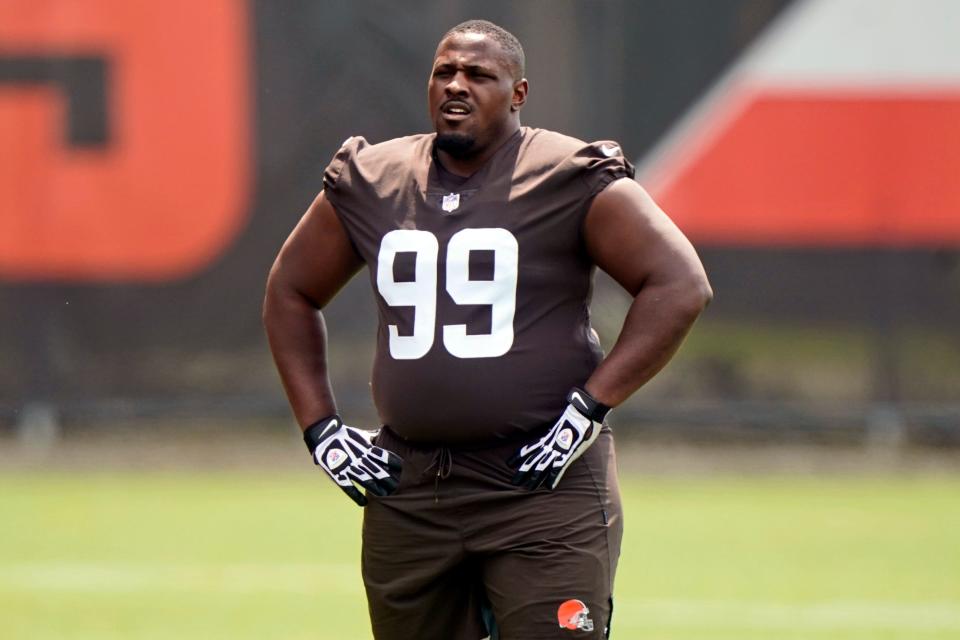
{"x": 586, "y": 404}
{"x": 315, "y": 433}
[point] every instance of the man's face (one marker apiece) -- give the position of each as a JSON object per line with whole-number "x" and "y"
{"x": 471, "y": 94}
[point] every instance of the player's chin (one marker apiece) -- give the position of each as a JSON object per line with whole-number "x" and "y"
{"x": 446, "y": 127}
{"x": 456, "y": 143}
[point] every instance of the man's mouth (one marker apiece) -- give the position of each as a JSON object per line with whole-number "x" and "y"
{"x": 455, "y": 110}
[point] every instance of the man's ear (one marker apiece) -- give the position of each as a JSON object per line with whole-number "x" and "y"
{"x": 520, "y": 88}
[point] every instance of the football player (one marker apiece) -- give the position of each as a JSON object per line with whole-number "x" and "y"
{"x": 489, "y": 491}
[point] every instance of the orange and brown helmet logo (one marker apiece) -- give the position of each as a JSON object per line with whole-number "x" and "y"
{"x": 572, "y": 614}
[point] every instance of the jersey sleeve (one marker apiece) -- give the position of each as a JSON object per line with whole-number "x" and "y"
{"x": 344, "y": 188}
{"x": 341, "y": 172}
{"x": 603, "y": 162}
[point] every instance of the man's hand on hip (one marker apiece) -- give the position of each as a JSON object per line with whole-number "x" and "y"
{"x": 544, "y": 462}
{"x": 350, "y": 458}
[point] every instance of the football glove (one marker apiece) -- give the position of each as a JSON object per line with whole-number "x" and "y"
{"x": 544, "y": 462}
{"x": 350, "y": 458}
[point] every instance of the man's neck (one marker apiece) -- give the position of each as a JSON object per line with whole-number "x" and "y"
{"x": 466, "y": 167}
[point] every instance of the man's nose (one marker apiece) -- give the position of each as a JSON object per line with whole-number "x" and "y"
{"x": 457, "y": 85}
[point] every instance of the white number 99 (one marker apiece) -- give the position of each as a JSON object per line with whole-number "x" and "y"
{"x": 500, "y": 293}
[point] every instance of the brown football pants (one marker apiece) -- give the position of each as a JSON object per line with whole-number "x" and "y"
{"x": 458, "y": 553}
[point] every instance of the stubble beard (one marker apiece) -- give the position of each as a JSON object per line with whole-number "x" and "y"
{"x": 458, "y": 145}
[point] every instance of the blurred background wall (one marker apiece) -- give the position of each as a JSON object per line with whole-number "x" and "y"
{"x": 154, "y": 156}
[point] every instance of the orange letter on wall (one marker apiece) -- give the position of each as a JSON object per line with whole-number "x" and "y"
{"x": 124, "y": 137}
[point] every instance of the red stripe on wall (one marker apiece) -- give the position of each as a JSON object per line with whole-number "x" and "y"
{"x": 815, "y": 168}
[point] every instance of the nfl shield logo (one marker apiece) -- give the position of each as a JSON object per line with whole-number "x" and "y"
{"x": 451, "y": 202}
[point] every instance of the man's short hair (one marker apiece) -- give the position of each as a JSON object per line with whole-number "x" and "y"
{"x": 507, "y": 41}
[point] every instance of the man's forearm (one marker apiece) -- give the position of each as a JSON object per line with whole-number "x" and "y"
{"x": 298, "y": 341}
{"x": 656, "y": 324}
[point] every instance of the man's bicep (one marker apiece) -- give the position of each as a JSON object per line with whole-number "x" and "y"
{"x": 317, "y": 258}
{"x": 634, "y": 241}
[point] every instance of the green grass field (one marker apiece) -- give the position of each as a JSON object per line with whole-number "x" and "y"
{"x": 275, "y": 555}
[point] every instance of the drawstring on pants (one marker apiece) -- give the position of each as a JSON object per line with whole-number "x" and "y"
{"x": 443, "y": 461}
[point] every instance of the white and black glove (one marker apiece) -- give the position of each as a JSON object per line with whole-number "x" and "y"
{"x": 350, "y": 458}
{"x": 544, "y": 462}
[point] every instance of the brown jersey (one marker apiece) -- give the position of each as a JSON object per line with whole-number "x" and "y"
{"x": 482, "y": 284}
